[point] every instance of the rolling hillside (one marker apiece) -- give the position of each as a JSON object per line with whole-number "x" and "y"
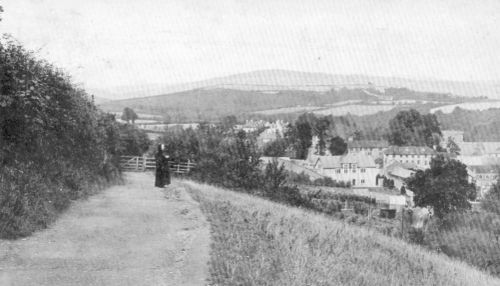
{"x": 275, "y": 80}
{"x": 209, "y": 104}
{"x": 257, "y": 242}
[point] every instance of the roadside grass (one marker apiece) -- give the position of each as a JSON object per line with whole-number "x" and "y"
{"x": 258, "y": 242}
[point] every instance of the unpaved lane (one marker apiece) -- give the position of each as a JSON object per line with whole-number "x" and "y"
{"x": 133, "y": 234}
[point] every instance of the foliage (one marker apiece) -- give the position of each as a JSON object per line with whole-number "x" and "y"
{"x": 275, "y": 176}
{"x": 134, "y": 141}
{"x": 55, "y": 145}
{"x": 228, "y": 122}
{"x": 452, "y": 146}
{"x": 410, "y": 128}
{"x": 444, "y": 187}
{"x": 276, "y": 148}
{"x": 473, "y": 237}
{"x": 491, "y": 201}
{"x": 181, "y": 144}
{"x": 129, "y": 115}
{"x": 388, "y": 183}
{"x": 224, "y": 157}
{"x": 321, "y": 125}
{"x": 304, "y": 179}
{"x": 337, "y": 146}
{"x": 300, "y": 134}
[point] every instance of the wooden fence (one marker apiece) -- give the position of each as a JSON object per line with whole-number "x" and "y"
{"x": 143, "y": 163}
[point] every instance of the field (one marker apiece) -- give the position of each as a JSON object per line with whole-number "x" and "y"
{"x": 257, "y": 242}
{"x": 288, "y": 110}
{"x": 356, "y": 109}
{"x": 468, "y": 105}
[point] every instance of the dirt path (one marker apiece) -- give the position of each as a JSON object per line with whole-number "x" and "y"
{"x": 133, "y": 234}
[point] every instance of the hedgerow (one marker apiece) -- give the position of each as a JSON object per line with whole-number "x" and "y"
{"x": 55, "y": 145}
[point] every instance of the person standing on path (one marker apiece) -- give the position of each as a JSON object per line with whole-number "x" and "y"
{"x": 162, "y": 169}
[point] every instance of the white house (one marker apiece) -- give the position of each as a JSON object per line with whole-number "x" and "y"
{"x": 420, "y": 156}
{"x": 357, "y": 168}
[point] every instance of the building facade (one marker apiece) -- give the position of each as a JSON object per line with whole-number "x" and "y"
{"x": 420, "y": 156}
{"x": 484, "y": 177}
{"x": 358, "y": 169}
{"x": 372, "y": 148}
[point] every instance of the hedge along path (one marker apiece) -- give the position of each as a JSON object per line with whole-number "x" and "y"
{"x": 132, "y": 234}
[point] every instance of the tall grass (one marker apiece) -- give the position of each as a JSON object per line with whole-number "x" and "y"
{"x": 258, "y": 242}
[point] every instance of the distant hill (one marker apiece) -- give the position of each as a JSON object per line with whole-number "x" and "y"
{"x": 210, "y": 104}
{"x": 278, "y": 80}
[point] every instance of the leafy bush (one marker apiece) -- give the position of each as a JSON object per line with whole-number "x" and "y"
{"x": 471, "y": 237}
{"x": 55, "y": 145}
{"x": 134, "y": 141}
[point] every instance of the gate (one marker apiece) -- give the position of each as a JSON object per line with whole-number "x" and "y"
{"x": 144, "y": 163}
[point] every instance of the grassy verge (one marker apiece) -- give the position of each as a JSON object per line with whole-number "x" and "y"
{"x": 257, "y": 242}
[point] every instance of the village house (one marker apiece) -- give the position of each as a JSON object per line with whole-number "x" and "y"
{"x": 490, "y": 149}
{"x": 273, "y": 131}
{"x": 399, "y": 172}
{"x": 420, "y": 156}
{"x": 358, "y": 169}
{"x": 372, "y": 148}
{"x": 484, "y": 177}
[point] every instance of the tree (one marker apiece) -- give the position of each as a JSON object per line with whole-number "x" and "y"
{"x": 452, "y": 147}
{"x": 228, "y": 122}
{"x": 134, "y": 141}
{"x": 337, "y": 146}
{"x": 491, "y": 201}
{"x": 409, "y": 127}
{"x": 444, "y": 187}
{"x": 300, "y": 134}
{"x": 276, "y": 148}
{"x": 129, "y": 115}
{"x": 321, "y": 125}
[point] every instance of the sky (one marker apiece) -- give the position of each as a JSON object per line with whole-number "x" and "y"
{"x": 106, "y": 43}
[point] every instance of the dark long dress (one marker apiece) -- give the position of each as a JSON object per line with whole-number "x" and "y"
{"x": 162, "y": 170}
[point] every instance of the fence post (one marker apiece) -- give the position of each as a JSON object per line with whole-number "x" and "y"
{"x": 137, "y": 163}
{"x": 144, "y": 163}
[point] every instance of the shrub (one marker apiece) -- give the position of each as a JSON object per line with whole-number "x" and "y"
{"x": 55, "y": 145}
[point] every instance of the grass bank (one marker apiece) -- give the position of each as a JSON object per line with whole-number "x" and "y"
{"x": 258, "y": 242}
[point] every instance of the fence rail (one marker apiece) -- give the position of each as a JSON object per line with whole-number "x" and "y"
{"x": 143, "y": 163}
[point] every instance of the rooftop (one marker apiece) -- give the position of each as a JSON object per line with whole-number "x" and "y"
{"x": 409, "y": 150}
{"x": 334, "y": 162}
{"x": 484, "y": 169}
{"x": 368, "y": 144}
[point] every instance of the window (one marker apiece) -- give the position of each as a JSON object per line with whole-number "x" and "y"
{"x": 354, "y": 170}
{"x": 345, "y": 171}
{"x": 362, "y": 181}
{"x": 425, "y": 162}
{"x": 363, "y": 170}
{"x": 337, "y": 171}
{"x": 418, "y": 162}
